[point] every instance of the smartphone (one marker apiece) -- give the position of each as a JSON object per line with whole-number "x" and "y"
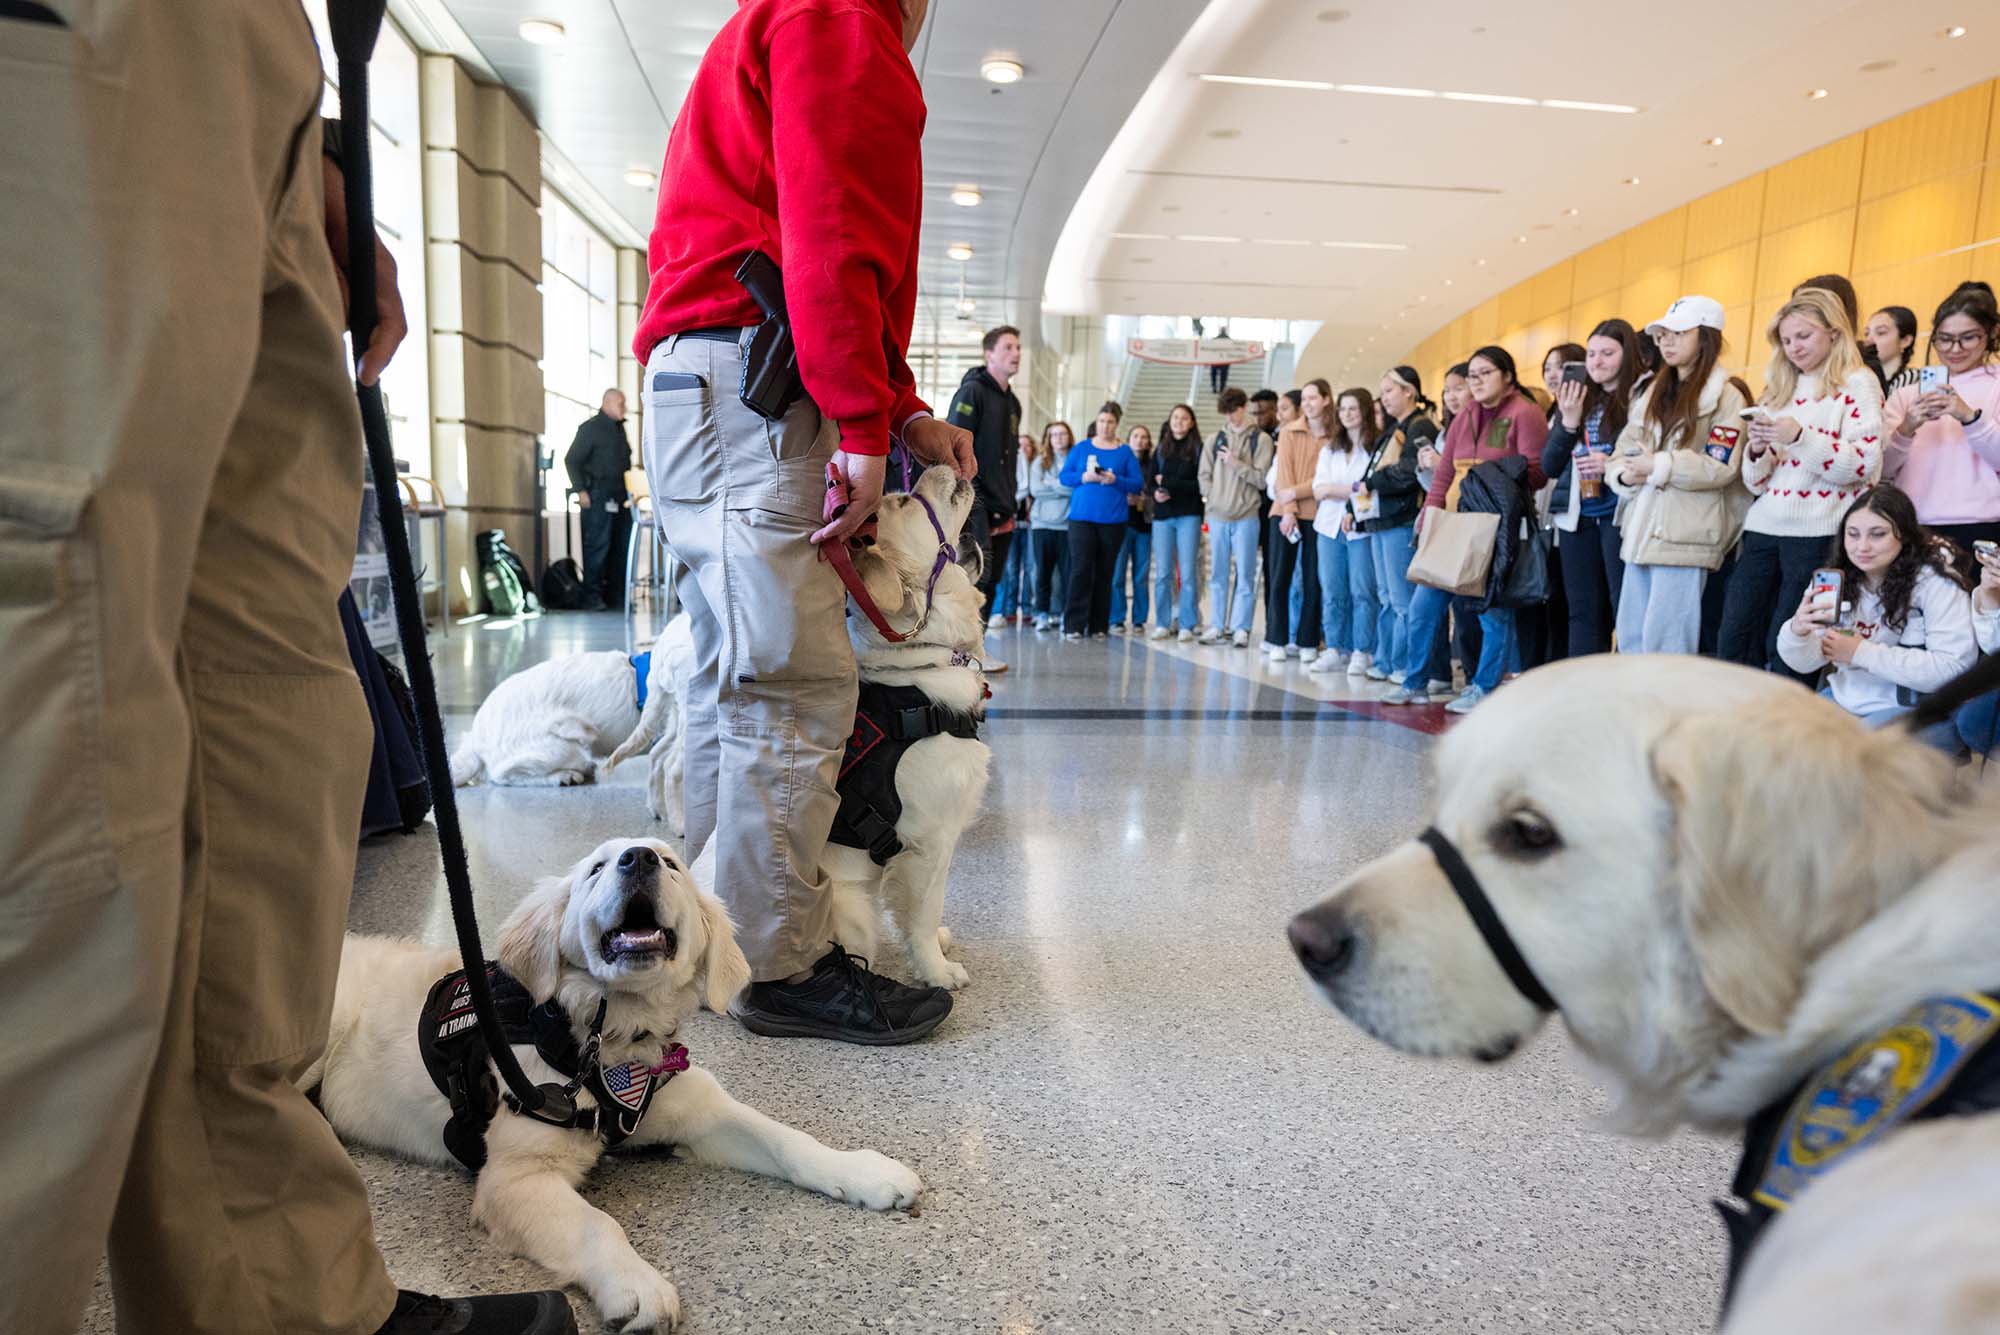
{"x": 1754, "y": 411}
{"x": 666, "y": 381}
{"x": 1825, "y": 588}
{"x": 1985, "y": 549}
{"x": 1574, "y": 374}
{"x": 1931, "y": 378}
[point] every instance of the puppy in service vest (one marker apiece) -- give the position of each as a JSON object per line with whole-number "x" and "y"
{"x": 915, "y": 770}
{"x": 1756, "y": 918}
{"x": 593, "y": 974}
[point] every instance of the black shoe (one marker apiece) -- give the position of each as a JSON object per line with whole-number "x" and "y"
{"x": 844, "y": 1000}
{"x": 592, "y": 602}
{"x": 498, "y": 1314}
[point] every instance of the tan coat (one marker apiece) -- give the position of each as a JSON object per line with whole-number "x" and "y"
{"x": 1689, "y": 511}
{"x": 1298, "y": 458}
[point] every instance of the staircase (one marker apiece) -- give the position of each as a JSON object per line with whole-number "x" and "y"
{"x": 1153, "y": 388}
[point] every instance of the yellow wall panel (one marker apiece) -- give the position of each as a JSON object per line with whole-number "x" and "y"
{"x": 1517, "y": 305}
{"x": 1945, "y": 136}
{"x": 1649, "y": 298}
{"x": 1988, "y": 226}
{"x": 1587, "y": 315}
{"x": 1728, "y": 217}
{"x": 1482, "y": 323}
{"x": 1599, "y": 270}
{"x": 1919, "y": 284}
{"x": 1536, "y": 340}
{"x": 1742, "y": 345}
{"x": 1656, "y": 245}
{"x": 1822, "y": 246}
{"x": 1814, "y": 184}
{"x": 1730, "y": 276}
{"x": 1552, "y": 289}
{"x": 1923, "y": 220}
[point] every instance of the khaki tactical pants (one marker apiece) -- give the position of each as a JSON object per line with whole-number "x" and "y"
{"x": 737, "y": 499}
{"x": 185, "y": 742}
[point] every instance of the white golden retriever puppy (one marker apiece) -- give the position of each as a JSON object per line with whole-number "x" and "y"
{"x": 1724, "y": 884}
{"x": 547, "y": 726}
{"x": 625, "y": 928}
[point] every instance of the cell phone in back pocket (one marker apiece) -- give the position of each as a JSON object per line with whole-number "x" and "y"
{"x": 664, "y": 381}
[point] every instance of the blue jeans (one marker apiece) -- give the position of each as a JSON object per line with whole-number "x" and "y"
{"x": 1943, "y": 736}
{"x": 1135, "y": 555}
{"x": 1176, "y": 547}
{"x": 1348, "y": 608}
{"x": 1006, "y": 596}
{"x": 1497, "y": 650}
{"x": 1977, "y": 721}
{"x": 1235, "y": 542}
{"x": 1390, "y": 551}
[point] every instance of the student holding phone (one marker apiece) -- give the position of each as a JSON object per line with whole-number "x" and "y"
{"x": 1814, "y": 443}
{"x": 1942, "y": 437}
{"x": 1176, "y": 487}
{"x": 1101, "y": 473}
{"x": 1593, "y": 403}
{"x": 1909, "y": 628}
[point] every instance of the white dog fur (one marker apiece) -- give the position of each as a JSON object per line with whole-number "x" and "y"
{"x": 1742, "y": 883}
{"x": 374, "y": 1088}
{"x": 547, "y": 726}
{"x": 941, "y": 780}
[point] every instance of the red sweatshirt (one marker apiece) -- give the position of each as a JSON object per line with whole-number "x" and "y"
{"x": 802, "y": 137}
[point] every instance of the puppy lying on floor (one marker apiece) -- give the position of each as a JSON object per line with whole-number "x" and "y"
{"x": 625, "y": 936}
{"x": 915, "y": 771}
{"x": 1756, "y": 918}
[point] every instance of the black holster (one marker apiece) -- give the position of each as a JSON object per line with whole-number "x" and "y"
{"x": 771, "y": 383}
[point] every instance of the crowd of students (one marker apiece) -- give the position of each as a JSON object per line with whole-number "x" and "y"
{"x": 1686, "y": 513}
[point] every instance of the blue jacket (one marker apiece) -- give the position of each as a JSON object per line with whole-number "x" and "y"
{"x": 1101, "y": 502}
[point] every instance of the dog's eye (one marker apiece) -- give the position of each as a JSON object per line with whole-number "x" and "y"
{"x": 1526, "y": 834}
{"x": 596, "y": 869}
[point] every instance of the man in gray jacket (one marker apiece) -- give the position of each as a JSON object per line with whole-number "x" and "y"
{"x": 1233, "y": 466}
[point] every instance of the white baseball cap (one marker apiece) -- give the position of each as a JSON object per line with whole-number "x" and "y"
{"x": 1690, "y": 313}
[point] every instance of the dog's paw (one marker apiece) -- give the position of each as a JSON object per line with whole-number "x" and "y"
{"x": 638, "y": 1300}
{"x": 572, "y": 778}
{"x": 944, "y": 939}
{"x": 941, "y": 972}
{"x": 872, "y": 1181}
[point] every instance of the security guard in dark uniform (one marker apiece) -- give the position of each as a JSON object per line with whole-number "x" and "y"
{"x": 597, "y": 461}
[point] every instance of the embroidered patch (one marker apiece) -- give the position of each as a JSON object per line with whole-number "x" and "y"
{"x": 866, "y": 737}
{"x": 1722, "y": 442}
{"x": 1874, "y": 1087}
{"x": 628, "y": 1084}
{"x": 965, "y": 409}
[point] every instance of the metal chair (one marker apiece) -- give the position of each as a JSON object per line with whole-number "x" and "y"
{"x": 417, "y": 511}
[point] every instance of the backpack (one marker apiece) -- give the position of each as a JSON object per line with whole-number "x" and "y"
{"x": 504, "y": 578}
{"x": 562, "y": 586}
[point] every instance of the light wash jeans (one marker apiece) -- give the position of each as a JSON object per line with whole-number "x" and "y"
{"x": 1497, "y": 649}
{"x": 1235, "y": 542}
{"x": 1944, "y": 735}
{"x": 1348, "y": 608}
{"x": 1177, "y": 546}
{"x": 1390, "y": 551}
{"x": 1659, "y": 609}
{"x": 1136, "y": 555}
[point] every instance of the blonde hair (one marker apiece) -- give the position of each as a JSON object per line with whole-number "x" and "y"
{"x": 1781, "y": 382}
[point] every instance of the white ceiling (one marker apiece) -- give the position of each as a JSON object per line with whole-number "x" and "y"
{"x": 1456, "y": 182}
{"x": 606, "y": 98}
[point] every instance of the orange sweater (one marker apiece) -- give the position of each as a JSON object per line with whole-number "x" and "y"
{"x": 1298, "y": 457}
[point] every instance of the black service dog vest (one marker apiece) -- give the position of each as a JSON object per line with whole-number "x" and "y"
{"x": 888, "y": 721}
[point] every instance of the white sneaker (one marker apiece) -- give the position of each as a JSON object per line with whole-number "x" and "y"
{"x": 1291, "y": 651}
{"x": 1241, "y": 639}
{"x": 1378, "y": 673}
{"x": 1329, "y": 660}
{"x": 1042, "y": 622}
{"x": 1276, "y": 652}
{"x": 1436, "y": 687}
{"x": 1158, "y": 633}
{"x": 995, "y": 622}
{"x": 1186, "y": 637}
{"x": 1467, "y": 702}
{"x": 1217, "y": 635}
{"x": 1072, "y": 635}
{"x": 992, "y": 666}
{"x": 1358, "y": 665}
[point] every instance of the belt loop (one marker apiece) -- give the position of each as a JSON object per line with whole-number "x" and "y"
{"x": 672, "y": 341}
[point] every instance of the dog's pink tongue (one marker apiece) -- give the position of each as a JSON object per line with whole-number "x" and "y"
{"x": 628, "y": 942}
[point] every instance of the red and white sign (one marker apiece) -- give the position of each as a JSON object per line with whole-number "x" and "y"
{"x": 1196, "y": 351}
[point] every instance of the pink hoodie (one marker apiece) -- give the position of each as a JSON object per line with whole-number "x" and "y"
{"x": 1949, "y": 470}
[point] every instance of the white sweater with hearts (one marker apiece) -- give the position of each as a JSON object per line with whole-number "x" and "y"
{"x": 1802, "y": 489}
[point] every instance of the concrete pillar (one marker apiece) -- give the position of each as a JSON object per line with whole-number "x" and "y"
{"x": 482, "y": 215}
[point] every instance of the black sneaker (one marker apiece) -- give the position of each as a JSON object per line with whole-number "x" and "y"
{"x": 845, "y": 1000}
{"x": 497, "y": 1314}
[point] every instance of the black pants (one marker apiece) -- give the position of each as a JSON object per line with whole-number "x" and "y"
{"x": 1050, "y": 549}
{"x": 1541, "y": 631}
{"x": 598, "y": 525}
{"x": 1457, "y": 636}
{"x": 1591, "y": 572}
{"x": 1967, "y": 534}
{"x": 1769, "y": 580}
{"x": 993, "y": 548}
{"x": 1218, "y": 377}
{"x": 1289, "y": 561}
{"x": 1093, "y": 551}
{"x": 1714, "y": 597}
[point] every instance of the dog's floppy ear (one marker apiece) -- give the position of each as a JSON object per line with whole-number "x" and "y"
{"x": 724, "y": 970}
{"x": 530, "y": 943}
{"x": 879, "y": 577}
{"x": 1793, "y": 826}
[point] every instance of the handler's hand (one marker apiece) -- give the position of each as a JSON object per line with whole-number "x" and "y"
{"x": 861, "y": 477}
{"x": 936, "y": 442}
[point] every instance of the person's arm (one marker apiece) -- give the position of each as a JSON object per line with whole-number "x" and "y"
{"x": 1697, "y": 469}
{"x": 1847, "y": 451}
{"x": 1072, "y": 469}
{"x": 1531, "y": 432}
{"x": 1400, "y": 478}
{"x": 1263, "y": 451}
{"x": 1948, "y": 649}
{"x": 1558, "y": 448}
{"x": 1800, "y": 653}
{"x": 1131, "y": 478}
{"x": 1759, "y": 468}
{"x": 1204, "y": 469}
{"x": 1182, "y": 481}
{"x": 1983, "y": 434}
{"x": 846, "y": 125}
{"x": 1446, "y": 469}
{"x": 1896, "y": 420}
{"x": 577, "y": 463}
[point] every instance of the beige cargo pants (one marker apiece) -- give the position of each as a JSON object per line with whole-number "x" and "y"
{"x": 737, "y": 500}
{"x": 185, "y": 743}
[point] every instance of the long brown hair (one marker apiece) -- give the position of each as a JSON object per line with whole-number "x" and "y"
{"x": 1180, "y": 447}
{"x": 1045, "y": 454}
{"x": 1617, "y": 400}
{"x": 1920, "y": 548}
{"x": 1676, "y": 399}
{"x": 1370, "y": 423}
{"x": 1329, "y": 421}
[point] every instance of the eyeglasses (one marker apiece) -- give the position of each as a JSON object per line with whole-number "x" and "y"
{"x": 1956, "y": 342}
{"x": 1477, "y": 376}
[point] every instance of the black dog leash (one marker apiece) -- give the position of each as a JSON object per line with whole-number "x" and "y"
{"x": 355, "y": 25}
{"x": 1466, "y": 886}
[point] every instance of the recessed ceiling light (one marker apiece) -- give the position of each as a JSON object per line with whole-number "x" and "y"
{"x": 959, "y": 250}
{"x": 1631, "y": 180}
{"x": 1713, "y": 141}
{"x": 1216, "y": 240}
{"x": 1447, "y": 282}
{"x": 543, "y": 32}
{"x": 1955, "y": 30}
{"x": 1380, "y": 90}
{"x": 640, "y": 178}
{"x": 966, "y": 196}
{"x": 1522, "y": 239}
{"x": 1498, "y": 99}
{"x": 1479, "y": 264}
{"x": 1816, "y": 94}
{"x": 1277, "y": 241}
{"x": 1257, "y": 81}
{"x": 1365, "y": 245}
{"x": 1138, "y": 236}
{"x": 1571, "y": 213}
{"x": 966, "y": 305}
{"x": 1423, "y": 296}
{"x": 1565, "y": 104}
{"x": 1878, "y": 66}
{"x": 999, "y": 69}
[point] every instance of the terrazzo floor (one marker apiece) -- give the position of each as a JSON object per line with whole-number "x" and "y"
{"x": 1135, "y": 1119}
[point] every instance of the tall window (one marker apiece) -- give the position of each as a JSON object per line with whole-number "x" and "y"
{"x": 579, "y": 323}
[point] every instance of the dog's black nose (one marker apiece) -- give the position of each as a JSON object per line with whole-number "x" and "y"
{"x": 637, "y": 858}
{"x": 1323, "y": 941}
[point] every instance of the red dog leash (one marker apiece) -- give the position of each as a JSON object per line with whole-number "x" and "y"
{"x": 836, "y": 554}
